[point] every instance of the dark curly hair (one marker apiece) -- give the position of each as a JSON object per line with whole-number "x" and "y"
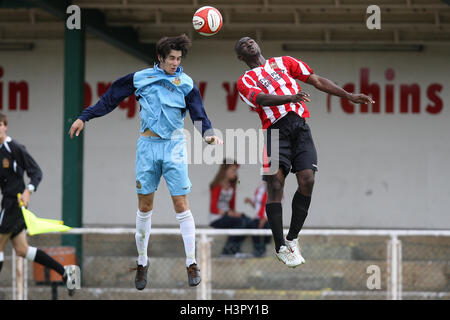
{"x": 181, "y": 43}
{"x": 4, "y": 119}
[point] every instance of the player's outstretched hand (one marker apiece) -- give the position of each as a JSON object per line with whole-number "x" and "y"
{"x": 360, "y": 98}
{"x": 301, "y": 96}
{"x": 76, "y": 128}
{"x": 213, "y": 140}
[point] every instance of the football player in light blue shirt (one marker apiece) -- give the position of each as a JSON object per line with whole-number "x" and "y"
{"x": 165, "y": 93}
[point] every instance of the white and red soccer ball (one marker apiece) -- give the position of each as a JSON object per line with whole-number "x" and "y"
{"x": 207, "y": 21}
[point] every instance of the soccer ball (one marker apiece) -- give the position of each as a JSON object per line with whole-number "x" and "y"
{"x": 207, "y": 21}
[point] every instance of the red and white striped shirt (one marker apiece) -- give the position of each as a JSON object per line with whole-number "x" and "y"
{"x": 221, "y": 199}
{"x": 260, "y": 200}
{"x": 275, "y": 77}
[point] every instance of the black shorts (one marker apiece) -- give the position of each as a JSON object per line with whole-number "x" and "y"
{"x": 11, "y": 218}
{"x": 296, "y": 146}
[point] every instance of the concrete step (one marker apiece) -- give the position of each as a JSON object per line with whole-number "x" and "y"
{"x": 257, "y": 273}
{"x": 268, "y": 273}
{"x": 90, "y": 293}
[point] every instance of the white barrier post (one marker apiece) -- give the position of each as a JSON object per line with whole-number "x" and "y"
{"x": 25, "y": 279}
{"x": 19, "y": 278}
{"x": 14, "y": 273}
{"x": 394, "y": 268}
{"x": 204, "y": 289}
{"x": 399, "y": 270}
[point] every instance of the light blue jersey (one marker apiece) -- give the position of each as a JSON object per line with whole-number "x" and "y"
{"x": 164, "y": 99}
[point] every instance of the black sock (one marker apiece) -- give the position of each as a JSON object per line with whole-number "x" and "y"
{"x": 1, "y": 265}
{"x": 1, "y": 261}
{"x": 274, "y": 213}
{"x": 300, "y": 206}
{"x": 47, "y": 261}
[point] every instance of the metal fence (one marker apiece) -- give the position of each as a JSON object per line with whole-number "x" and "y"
{"x": 340, "y": 264}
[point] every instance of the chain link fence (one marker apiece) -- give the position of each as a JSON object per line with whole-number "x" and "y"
{"x": 340, "y": 264}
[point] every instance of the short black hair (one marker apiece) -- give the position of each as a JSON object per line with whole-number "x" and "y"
{"x": 238, "y": 44}
{"x": 166, "y": 44}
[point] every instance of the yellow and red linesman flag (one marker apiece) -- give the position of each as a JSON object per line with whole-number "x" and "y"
{"x": 37, "y": 225}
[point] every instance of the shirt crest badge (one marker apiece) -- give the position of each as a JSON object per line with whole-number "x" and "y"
{"x": 5, "y": 163}
{"x": 274, "y": 65}
{"x": 176, "y": 81}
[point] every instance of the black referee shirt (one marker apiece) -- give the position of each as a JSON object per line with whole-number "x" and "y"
{"x": 14, "y": 161}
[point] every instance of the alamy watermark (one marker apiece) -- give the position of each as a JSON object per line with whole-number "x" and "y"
{"x": 243, "y": 146}
{"x": 74, "y": 20}
{"x": 73, "y": 277}
{"x": 374, "y": 20}
{"x": 374, "y": 280}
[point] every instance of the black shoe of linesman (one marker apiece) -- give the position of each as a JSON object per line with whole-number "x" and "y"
{"x": 194, "y": 277}
{"x": 141, "y": 276}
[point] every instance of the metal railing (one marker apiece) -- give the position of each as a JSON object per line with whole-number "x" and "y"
{"x": 392, "y": 250}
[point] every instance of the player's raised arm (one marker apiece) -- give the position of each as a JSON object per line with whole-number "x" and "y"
{"x": 328, "y": 86}
{"x": 119, "y": 90}
{"x": 273, "y": 100}
{"x": 251, "y": 94}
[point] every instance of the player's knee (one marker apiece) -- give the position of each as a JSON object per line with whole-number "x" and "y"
{"x": 275, "y": 186}
{"x": 21, "y": 250}
{"x": 145, "y": 207}
{"x": 180, "y": 205}
{"x": 307, "y": 183}
{"x": 275, "y": 190}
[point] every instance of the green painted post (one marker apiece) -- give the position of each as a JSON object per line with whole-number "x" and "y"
{"x": 72, "y": 193}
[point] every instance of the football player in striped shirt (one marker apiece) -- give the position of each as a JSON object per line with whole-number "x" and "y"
{"x": 269, "y": 87}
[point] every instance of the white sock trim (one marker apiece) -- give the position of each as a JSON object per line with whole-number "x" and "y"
{"x": 182, "y": 216}
{"x": 142, "y": 260}
{"x": 143, "y": 229}
{"x": 31, "y": 253}
{"x": 190, "y": 261}
{"x": 144, "y": 215}
{"x": 2, "y": 257}
{"x": 187, "y": 228}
